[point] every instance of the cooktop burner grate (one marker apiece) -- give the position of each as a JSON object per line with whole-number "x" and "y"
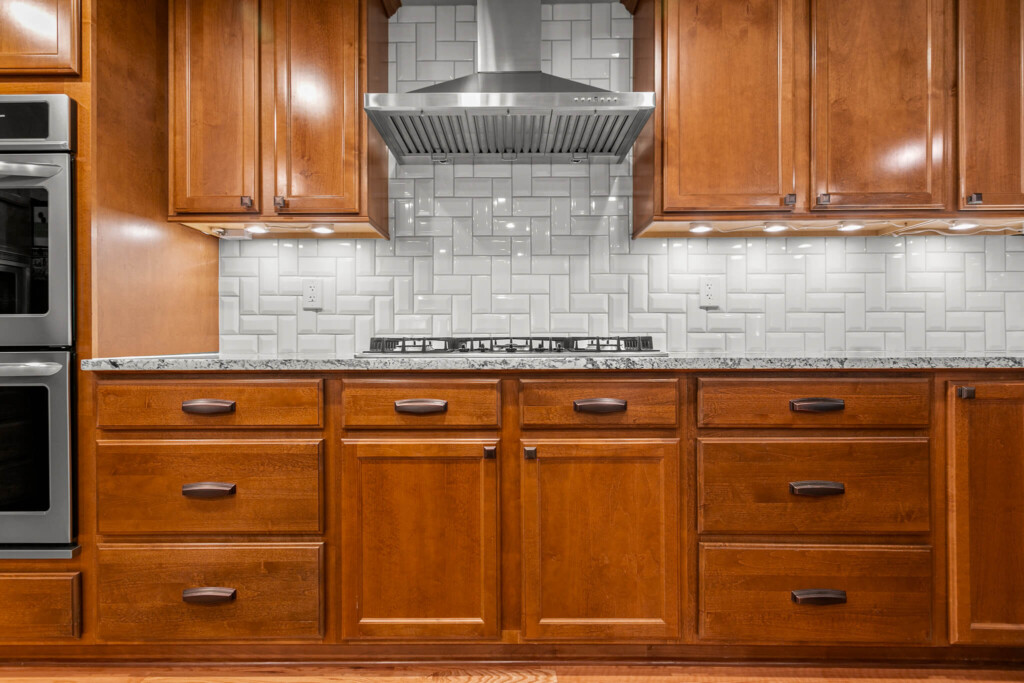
{"x": 429, "y": 345}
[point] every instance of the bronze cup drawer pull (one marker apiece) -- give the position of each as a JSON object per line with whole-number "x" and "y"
{"x": 208, "y": 406}
{"x": 818, "y": 596}
{"x": 209, "y": 595}
{"x": 208, "y": 489}
{"x": 421, "y": 406}
{"x": 817, "y": 405}
{"x": 599, "y": 405}
{"x": 817, "y": 488}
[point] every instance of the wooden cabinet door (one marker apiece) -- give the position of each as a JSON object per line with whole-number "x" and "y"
{"x": 311, "y": 90}
{"x": 600, "y": 540}
{"x": 991, "y": 113}
{"x": 878, "y": 104}
{"x": 729, "y": 129}
{"x": 40, "y": 36}
{"x": 986, "y": 541}
{"x": 420, "y": 539}
{"x": 214, "y": 113}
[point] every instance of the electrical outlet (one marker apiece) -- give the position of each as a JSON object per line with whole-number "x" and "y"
{"x": 712, "y": 289}
{"x": 312, "y": 295}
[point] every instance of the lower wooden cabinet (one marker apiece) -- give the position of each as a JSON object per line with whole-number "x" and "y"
{"x": 40, "y": 606}
{"x": 420, "y": 539}
{"x": 210, "y": 592}
{"x": 601, "y": 539}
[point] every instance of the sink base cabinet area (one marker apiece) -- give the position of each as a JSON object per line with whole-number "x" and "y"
{"x": 537, "y": 516}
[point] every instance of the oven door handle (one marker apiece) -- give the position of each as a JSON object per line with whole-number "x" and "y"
{"x": 17, "y": 169}
{"x": 29, "y": 369}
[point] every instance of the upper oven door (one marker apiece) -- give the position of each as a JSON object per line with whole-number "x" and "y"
{"x": 35, "y": 250}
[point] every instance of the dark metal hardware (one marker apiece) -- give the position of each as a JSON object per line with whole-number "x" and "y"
{"x": 208, "y": 595}
{"x": 208, "y": 489}
{"x": 965, "y": 392}
{"x": 816, "y": 405}
{"x": 208, "y": 406}
{"x": 817, "y": 488}
{"x": 530, "y": 453}
{"x": 818, "y": 596}
{"x": 599, "y": 405}
{"x": 789, "y": 200}
{"x": 824, "y": 199}
{"x": 279, "y": 202}
{"x": 421, "y": 406}
{"x": 246, "y": 201}
{"x": 490, "y": 452}
{"x": 975, "y": 198}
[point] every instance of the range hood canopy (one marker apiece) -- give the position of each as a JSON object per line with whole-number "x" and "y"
{"x": 509, "y": 110}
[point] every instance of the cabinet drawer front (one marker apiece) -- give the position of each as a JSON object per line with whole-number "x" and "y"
{"x": 276, "y": 595}
{"x": 589, "y": 403}
{"x": 208, "y": 486}
{"x": 798, "y": 486}
{"x": 201, "y": 403}
{"x": 813, "y": 403}
{"x": 40, "y": 606}
{"x": 856, "y": 594}
{"x": 421, "y": 403}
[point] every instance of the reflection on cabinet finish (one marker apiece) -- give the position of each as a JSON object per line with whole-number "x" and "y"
{"x": 276, "y": 486}
{"x": 278, "y": 592}
{"x": 991, "y": 91}
{"x": 377, "y": 403}
{"x": 986, "y": 558}
{"x": 648, "y": 403}
{"x": 214, "y": 113}
{"x": 729, "y": 105}
{"x": 746, "y": 594}
{"x": 40, "y": 37}
{"x": 745, "y": 485}
{"x": 601, "y": 540}
{"x": 879, "y": 104}
{"x": 420, "y": 546}
{"x": 40, "y": 606}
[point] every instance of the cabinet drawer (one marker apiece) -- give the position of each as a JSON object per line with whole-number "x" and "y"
{"x": 813, "y": 403}
{"x": 799, "y": 486}
{"x": 200, "y": 403}
{"x": 40, "y": 606}
{"x": 263, "y": 592}
{"x": 208, "y": 486}
{"x": 421, "y": 403}
{"x": 851, "y": 594}
{"x": 590, "y": 403}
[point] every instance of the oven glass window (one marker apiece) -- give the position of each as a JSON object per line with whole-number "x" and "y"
{"x": 24, "y": 251}
{"x": 24, "y": 449}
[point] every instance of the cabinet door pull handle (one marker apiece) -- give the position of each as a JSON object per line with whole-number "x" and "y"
{"x": 246, "y": 201}
{"x": 530, "y": 453}
{"x": 279, "y": 202}
{"x": 490, "y": 452}
{"x": 789, "y": 200}
{"x": 209, "y": 595}
{"x": 965, "y": 392}
{"x": 208, "y": 406}
{"x": 421, "y": 406}
{"x": 975, "y": 198}
{"x": 599, "y": 405}
{"x": 208, "y": 489}
{"x": 818, "y": 596}
{"x": 816, "y": 405}
{"x": 824, "y": 199}
{"x": 817, "y": 488}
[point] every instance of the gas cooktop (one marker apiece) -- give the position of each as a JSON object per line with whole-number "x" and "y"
{"x": 390, "y": 346}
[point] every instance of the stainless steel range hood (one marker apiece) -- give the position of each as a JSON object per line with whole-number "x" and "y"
{"x": 509, "y": 110}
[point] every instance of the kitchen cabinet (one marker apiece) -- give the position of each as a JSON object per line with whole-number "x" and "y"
{"x": 986, "y": 484}
{"x": 990, "y": 92}
{"x": 40, "y": 606}
{"x": 214, "y": 106}
{"x": 878, "y": 104}
{"x": 40, "y": 37}
{"x": 729, "y": 127}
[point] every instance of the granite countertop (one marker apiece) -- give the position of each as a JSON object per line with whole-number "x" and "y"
{"x": 676, "y": 361}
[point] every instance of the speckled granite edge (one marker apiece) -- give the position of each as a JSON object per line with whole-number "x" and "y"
{"x": 671, "y": 362}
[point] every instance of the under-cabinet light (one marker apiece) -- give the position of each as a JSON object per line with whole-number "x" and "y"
{"x": 850, "y": 227}
{"x": 322, "y": 229}
{"x": 700, "y": 227}
{"x": 255, "y": 229}
{"x": 963, "y": 225}
{"x": 776, "y": 227}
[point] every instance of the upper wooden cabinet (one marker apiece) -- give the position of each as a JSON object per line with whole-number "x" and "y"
{"x": 878, "y": 104}
{"x": 40, "y": 37}
{"x": 986, "y": 488}
{"x": 214, "y": 110}
{"x": 728, "y": 106}
{"x": 991, "y": 116}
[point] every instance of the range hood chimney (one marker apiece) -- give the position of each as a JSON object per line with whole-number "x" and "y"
{"x": 509, "y": 110}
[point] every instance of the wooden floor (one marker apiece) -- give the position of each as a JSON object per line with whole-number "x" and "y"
{"x": 559, "y": 674}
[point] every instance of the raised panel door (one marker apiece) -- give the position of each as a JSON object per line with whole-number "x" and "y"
{"x": 40, "y": 36}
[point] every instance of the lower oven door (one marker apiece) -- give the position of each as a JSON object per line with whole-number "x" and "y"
{"x": 35, "y": 448}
